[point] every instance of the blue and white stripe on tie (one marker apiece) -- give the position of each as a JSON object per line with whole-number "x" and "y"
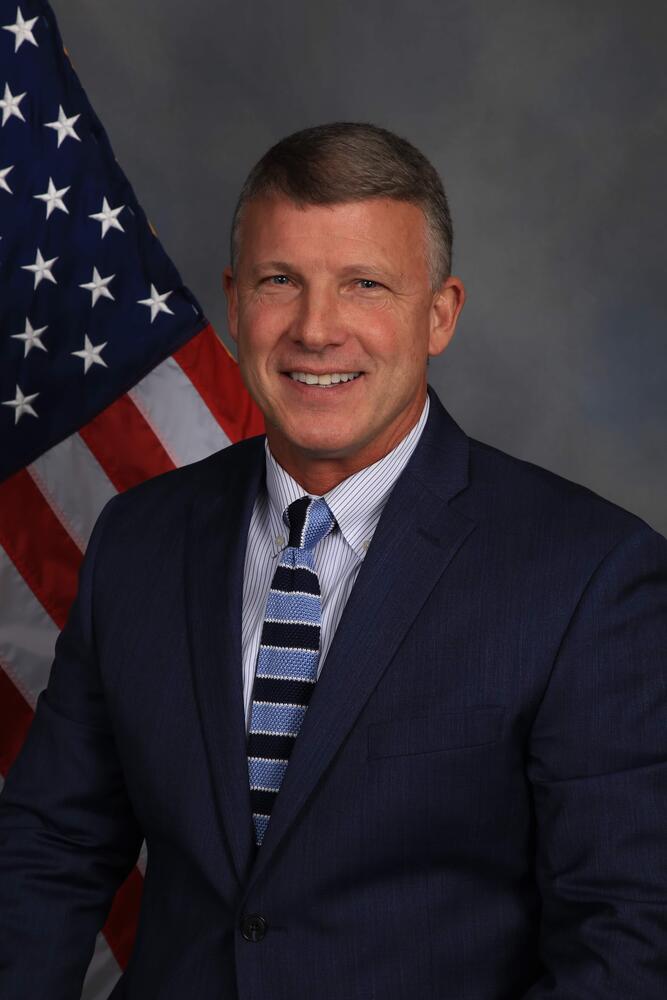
{"x": 288, "y": 656}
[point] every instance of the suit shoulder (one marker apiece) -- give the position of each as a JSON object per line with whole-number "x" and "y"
{"x": 524, "y": 496}
{"x": 170, "y": 494}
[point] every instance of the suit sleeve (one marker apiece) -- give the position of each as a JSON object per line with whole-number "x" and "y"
{"x": 598, "y": 769}
{"x": 68, "y": 836}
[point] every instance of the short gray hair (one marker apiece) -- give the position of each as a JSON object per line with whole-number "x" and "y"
{"x": 352, "y": 161}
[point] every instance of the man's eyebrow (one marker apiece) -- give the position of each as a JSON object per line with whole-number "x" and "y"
{"x": 359, "y": 270}
{"x": 281, "y": 266}
{"x": 364, "y": 270}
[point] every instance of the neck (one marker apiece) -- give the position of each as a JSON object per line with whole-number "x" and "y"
{"x": 319, "y": 478}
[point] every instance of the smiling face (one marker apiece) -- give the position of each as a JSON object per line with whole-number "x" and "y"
{"x": 330, "y": 291}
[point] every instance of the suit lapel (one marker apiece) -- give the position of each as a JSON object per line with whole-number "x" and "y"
{"x": 217, "y": 538}
{"x": 417, "y": 536}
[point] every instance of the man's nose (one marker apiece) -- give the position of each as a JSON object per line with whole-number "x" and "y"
{"x": 318, "y": 323}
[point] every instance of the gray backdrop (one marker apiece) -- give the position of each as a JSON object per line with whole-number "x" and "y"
{"x": 547, "y": 121}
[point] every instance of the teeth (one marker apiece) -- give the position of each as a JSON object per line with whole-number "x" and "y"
{"x": 329, "y": 378}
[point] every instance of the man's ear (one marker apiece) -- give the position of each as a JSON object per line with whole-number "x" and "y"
{"x": 231, "y": 294}
{"x": 447, "y": 304}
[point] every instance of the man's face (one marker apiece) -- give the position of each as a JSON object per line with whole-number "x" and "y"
{"x": 336, "y": 291}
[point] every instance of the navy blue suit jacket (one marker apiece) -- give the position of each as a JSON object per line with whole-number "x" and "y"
{"x": 475, "y": 807}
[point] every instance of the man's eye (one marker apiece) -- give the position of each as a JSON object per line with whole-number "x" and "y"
{"x": 279, "y": 279}
{"x": 368, "y": 283}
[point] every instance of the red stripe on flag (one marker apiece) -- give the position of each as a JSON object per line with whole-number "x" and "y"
{"x": 15, "y": 718}
{"x": 216, "y": 377}
{"x": 125, "y": 445}
{"x": 38, "y": 545}
{"x": 121, "y": 926}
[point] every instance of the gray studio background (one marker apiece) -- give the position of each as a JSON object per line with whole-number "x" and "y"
{"x": 547, "y": 121}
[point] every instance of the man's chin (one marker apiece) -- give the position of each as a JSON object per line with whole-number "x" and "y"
{"x": 311, "y": 444}
{"x": 323, "y": 450}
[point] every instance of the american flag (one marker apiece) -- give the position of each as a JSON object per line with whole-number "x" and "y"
{"x": 109, "y": 374}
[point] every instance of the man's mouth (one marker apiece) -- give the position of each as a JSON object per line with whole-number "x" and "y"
{"x": 324, "y": 380}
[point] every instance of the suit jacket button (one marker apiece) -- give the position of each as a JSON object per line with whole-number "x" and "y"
{"x": 253, "y": 927}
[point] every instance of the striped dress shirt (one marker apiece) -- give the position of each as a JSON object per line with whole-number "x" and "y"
{"x": 356, "y": 503}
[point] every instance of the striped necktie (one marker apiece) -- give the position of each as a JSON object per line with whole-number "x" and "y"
{"x": 289, "y": 653}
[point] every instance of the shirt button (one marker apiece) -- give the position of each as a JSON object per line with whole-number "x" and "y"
{"x": 280, "y": 540}
{"x": 253, "y": 927}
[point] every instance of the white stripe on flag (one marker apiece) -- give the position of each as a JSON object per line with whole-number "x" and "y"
{"x": 75, "y": 486}
{"x": 102, "y": 974}
{"x": 177, "y": 414}
{"x": 142, "y": 860}
{"x": 27, "y": 633}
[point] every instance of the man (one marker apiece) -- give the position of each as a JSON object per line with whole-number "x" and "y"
{"x": 387, "y": 705}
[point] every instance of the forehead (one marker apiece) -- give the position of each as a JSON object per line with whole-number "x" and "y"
{"x": 273, "y": 228}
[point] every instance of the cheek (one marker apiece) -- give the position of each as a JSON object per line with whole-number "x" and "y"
{"x": 265, "y": 320}
{"x": 257, "y": 338}
{"x": 393, "y": 344}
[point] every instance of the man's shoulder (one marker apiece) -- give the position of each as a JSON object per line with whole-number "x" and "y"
{"x": 164, "y": 498}
{"x": 515, "y": 496}
{"x": 525, "y": 498}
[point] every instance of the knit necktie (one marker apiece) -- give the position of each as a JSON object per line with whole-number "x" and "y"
{"x": 289, "y": 653}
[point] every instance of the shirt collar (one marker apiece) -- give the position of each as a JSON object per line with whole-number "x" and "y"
{"x": 356, "y": 503}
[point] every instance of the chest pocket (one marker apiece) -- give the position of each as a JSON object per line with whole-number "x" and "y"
{"x": 472, "y": 727}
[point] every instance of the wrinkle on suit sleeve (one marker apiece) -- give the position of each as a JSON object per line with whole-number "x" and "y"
{"x": 598, "y": 770}
{"x": 68, "y": 836}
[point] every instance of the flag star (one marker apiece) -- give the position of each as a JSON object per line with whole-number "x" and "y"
{"x": 41, "y": 269}
{"x": 21, "y": 404}
{"x": 156, "y": 302}
{"x": 22, "y": 30}
{"x": 90, "y": 354}
{"x": 53, "y": 199}
{"x": 4, "y": 186}
{"x": 30, "y": 337}
{"x": 64, "y": 126}
{"x": 97, "y": 286}
{"x": 108, "y": 217}
{"x": 10, "y": 105}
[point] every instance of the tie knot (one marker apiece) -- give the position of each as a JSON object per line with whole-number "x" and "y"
{"x": 309, "y": 520}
